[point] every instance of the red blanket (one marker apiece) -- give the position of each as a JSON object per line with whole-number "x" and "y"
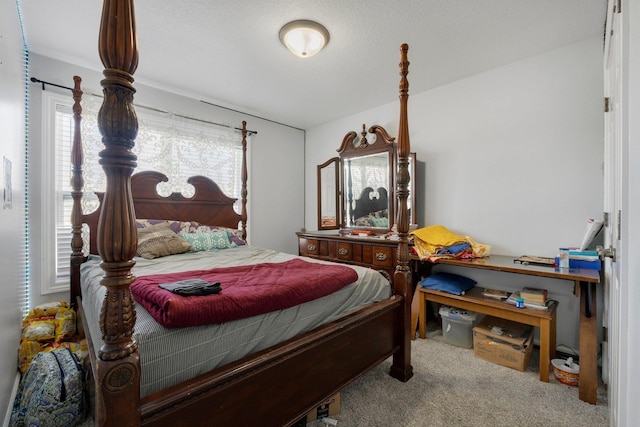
{"x": 246, "y": 291}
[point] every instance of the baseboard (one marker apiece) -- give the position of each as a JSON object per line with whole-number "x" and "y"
{"x": 7, "y": 415}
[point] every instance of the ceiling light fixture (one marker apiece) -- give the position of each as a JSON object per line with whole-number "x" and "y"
{"x": 304, "y": 38}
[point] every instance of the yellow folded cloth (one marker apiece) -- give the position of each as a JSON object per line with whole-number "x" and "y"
{"x": 427, "y": 241}
{"x": 435, "y": 237}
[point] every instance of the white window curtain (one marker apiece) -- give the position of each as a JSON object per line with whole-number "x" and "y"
{"x": 369, "y": 172}
{"x": 177, "y": 146}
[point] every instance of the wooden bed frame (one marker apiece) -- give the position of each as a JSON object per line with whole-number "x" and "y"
{"x": 274, "y": 387}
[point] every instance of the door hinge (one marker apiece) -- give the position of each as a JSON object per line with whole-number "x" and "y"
{"x": 618, "y": 7}
{"x": 606, "y": 104}
{"x": 619, "y": 224}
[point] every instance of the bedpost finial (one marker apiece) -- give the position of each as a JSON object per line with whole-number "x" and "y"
{"x": 404, "y": 67}
{"x": 404, "y": 48}
{"x": 117, "y": 41}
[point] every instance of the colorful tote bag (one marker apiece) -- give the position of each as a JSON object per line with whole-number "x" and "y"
{"x": 51, "y": 393}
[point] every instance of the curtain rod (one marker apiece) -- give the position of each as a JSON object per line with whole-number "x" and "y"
{"x": 33, "y": 79}
{"x": 252, "y": 115}
{"x": 249, "y": 132}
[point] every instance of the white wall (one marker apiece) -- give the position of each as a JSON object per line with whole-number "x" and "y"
{"x": 12, "y": 250}
{"x": 512, "y": 157}
{"x": 276, "y": 157}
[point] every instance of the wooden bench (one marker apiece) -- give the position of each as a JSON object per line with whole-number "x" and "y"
{"x": 474, "y": 301}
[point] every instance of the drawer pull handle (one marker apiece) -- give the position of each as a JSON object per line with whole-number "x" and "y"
{"x": 311, "y": 247}
{"x": 343, "y": 251}
{"x": 380, "y": 256}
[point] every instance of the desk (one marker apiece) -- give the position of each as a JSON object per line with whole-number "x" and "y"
{"x": 584, "y": 281}
{"x": 474, "y": 301}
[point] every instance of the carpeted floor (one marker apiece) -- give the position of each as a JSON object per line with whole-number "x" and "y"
{"x": 451, "y": 387}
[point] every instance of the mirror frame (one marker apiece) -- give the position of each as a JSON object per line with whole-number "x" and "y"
{"x": 411, "y": 200}
{"x": 351, "y": 149}
{"x": 354, "y": 146}
{"x": 336, "y": 189}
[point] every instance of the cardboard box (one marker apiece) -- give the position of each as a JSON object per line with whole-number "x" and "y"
{"x": 503, "y": 342}
{"x": 326, "y": 409}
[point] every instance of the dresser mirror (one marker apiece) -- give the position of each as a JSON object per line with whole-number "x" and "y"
{"x": 356, "y": 190}
{"x": 367, "y": 186}
{"x": 328, "y": 194}
{"x": 366, "y": 174}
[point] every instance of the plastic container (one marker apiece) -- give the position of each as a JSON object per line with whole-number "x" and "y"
{"x": 566, "y": 371}
{"x": 563, "y": 258}
{"x": 457, "y": 325}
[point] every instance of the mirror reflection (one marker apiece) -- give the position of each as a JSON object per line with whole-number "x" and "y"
{"x": 366, "y": 198}
{"x": 356, "y": 191}
{"x": 328, "y": 195}
{"x": 367, "y": 177}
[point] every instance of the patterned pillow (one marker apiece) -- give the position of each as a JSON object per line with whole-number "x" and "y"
{"x": 159, "y": 240}
{"x": 195, "y": 227}
{"x": 235, "y": 236}
{"x": 176, "y": 226}
{"x": 207, "y": 240}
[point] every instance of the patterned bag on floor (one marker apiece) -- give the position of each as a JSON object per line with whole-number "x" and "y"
{"x": 51, "y": 393}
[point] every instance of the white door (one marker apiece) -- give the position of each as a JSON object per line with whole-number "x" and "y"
{"x": 613, "y": 170}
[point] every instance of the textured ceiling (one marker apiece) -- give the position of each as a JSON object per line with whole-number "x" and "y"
{"x": 228, "y": 52}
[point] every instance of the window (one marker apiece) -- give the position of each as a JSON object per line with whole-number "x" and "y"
{"x": 177, "y": 146}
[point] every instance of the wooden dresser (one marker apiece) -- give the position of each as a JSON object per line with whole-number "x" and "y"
{"x": 373, "y": 252}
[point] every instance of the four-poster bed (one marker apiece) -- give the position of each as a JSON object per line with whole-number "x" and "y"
{"x": 276, "y": 385}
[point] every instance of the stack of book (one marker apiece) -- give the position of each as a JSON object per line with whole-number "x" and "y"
{"x": 584, "y": 259}
{"x": 533, "y": 298}
{"x": 534, "y": 295}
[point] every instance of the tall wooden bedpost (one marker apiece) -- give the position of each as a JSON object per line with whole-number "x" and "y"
{"x": 244, "y": 180}
{"x": 401, "y": 368}
{"x": 118, "y": 370}
{"x": 77, "y": 184}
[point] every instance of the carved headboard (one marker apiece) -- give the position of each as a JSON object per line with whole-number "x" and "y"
{"x": 209, "y": 205}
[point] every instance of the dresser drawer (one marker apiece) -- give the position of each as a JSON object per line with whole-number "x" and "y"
{"x": 372, "y": 253}
{"x": 383, "y": 256}
{"x": 345, "y": 251}
{"x": 308, "y": 247}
